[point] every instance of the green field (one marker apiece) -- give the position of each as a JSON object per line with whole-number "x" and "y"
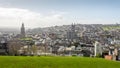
{"x": 56, "y": 62}
{"x": 107, "y": 28}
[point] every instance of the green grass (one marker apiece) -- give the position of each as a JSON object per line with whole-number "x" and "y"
{"x": 55, "y": 62}
{"x": 26, "y": 39}
{"x": 110, "y": 27}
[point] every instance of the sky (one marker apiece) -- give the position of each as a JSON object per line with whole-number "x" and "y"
{"x": 46, "y": 13}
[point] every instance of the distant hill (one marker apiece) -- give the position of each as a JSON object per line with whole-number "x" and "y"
{"x": 80, "y": 27}
{"x": 63, "y": 28}
{"x": 52, "y": 29}
{"x": 57, "y": 29}
{"x": 9, "y": 30}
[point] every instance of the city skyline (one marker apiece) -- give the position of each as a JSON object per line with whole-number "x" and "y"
{"x": 45, "y": 13}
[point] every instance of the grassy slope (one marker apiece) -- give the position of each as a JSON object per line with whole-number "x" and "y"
{"x": 56, "y": 62}
{"x": 110, "y": 27}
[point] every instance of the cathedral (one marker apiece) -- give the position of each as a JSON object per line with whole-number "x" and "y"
{"x": 22, "y": 31}
{"x": 71, "y": 34}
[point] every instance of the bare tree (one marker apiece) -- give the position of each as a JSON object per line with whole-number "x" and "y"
{"x": 14, "y": 46}
{"x": 34, "y": 49}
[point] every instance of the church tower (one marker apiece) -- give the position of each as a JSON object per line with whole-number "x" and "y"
{"x": 71, "y": 34}
{"x": 22, "y": 31}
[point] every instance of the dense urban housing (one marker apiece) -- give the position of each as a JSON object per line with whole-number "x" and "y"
{"x": 68, "y": 40}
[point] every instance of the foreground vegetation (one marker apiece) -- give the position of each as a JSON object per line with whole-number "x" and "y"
{"x": 55, "y": 62}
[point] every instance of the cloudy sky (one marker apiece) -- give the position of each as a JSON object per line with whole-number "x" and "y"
{"x": 44, "y": 13}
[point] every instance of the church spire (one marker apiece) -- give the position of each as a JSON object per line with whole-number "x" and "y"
{"x": 22, "y": 30}
{"x": 22, "y": 24}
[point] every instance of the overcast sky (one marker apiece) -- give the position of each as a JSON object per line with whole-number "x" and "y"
{"x": 44, "y": 13}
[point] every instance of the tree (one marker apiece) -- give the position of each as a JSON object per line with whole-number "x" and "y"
{"x": 34, "y": 49}
{"x": 13, "y": 47}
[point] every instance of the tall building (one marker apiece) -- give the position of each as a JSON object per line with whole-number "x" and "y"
{"x": 22, "y": 30}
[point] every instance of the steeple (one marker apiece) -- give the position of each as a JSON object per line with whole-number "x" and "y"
{"x": 73, "y": 27}
{"x": 23, "y": 25}
{"x": 22, "y": 30}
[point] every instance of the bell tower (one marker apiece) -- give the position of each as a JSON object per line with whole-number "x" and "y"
{"x": 22, "y": 30}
